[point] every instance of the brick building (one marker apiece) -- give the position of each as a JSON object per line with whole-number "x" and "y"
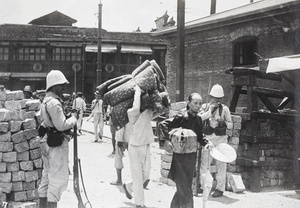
{"x": 28, "y": 52}
{"x": 230, "y": 39}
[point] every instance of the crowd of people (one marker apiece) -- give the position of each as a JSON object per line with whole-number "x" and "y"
{"x": 208, "y": 121}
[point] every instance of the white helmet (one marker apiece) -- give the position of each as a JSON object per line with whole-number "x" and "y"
{"x": 55, "y": 77}
{"x": 217, "y": 91}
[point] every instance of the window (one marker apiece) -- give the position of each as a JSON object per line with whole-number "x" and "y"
{"x": 244, "y": 52}
{"x": 31, "y": 54}
{"x": 4, "y": 53}
{"x": 67, "y": 54}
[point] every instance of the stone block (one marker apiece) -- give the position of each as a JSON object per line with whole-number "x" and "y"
{"x": 23, "y": 103}
{"x": 6, "y": 187}
{"x": 5, "y": 177}
{"x": 14, "y": 95}
{"x": 234, "y": 140}
{"x": 27, "y": 165}
{"x": 12, "y": 105}
{"x": 236, "y": 183}
{"x": 17, "y": 186}
{"x": 32, "y": 195}
{"x": 240, "y": 110}
{"x": 12, "y": 167}
{"x": 236, "y": 119}
{"x": 237, "y": 126}
{"x": 18, "y": 176}
{"x": 164, "y": 173}
{"x": 166, "y": 158}
{"x": 35, "y": 154}
{"x": 4, "y": 126}
{"x": 23, "y": 204}
{"x": 18, "y": 137}
{"x": 38, "y": 163}
{"x": 31, "y": 176}
{"x": 33, "y": 143}
{"x": 29, "y": 185}
{"x": 165, "y": 165}
{"x": 31, "y": 133}
{"x": 29, "y": 114}
{"x": 9, "y": 157}
{"x": 5, "y": 137}
{"x": 229, "y": 132}
{"x": 33, "y": 105}
{"x": 236, "y": 132}
{"x": 16, "y": 115}
{"x": 2, "y": 96}
{"x": 4, "y": 114}
{"x": 18, "y": 196}
{"x": 23, "y": 156}
{"x": 29, "y": 123}
{"x": 40, "y": 172}
{"x": 15, "y": 126}
{"x": 21, "y": 147}
{"x": 2, "y": 167}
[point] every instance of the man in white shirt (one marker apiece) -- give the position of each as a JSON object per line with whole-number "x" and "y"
{"x": 97, "y": 111}
{"x": 79, "y": 104}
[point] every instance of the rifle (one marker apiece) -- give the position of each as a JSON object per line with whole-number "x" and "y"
{"x": 75, "y": 171}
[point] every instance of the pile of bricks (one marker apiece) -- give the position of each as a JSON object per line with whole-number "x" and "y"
{"x": 20, "y": 154}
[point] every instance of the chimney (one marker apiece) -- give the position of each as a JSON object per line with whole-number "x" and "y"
{"x": 213, "y": 6}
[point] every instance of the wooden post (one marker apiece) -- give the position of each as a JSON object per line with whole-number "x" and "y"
{"x": 180, "y": 49}
{"x": 99, "y": 61}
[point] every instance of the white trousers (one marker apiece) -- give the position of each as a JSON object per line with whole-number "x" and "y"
{"x": 55, "y": 174}
{"x": 140, "y": 163}
{"x": 206, "y": 160}
{"x": 98, "y": 125}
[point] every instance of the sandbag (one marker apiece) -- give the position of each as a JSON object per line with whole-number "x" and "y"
{"x": 119, "y": 82}
{"x": 158, "y": 70}
{"x": 143, "y": 66}
{"x": 119, "y": 117}
{"x": 102, "y": 89}
{"x": 145, "y": 80}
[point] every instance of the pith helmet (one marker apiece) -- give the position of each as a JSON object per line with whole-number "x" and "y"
{"x": 217, "y": 91}
{"x": 55, "y": 77}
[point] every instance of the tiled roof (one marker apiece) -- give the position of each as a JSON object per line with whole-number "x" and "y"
{"x": 67, "y": 33}
{"x": 243, "y": 11}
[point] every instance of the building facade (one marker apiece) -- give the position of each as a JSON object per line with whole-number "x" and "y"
{"x": 232, "y": 39}
{"x": 29, "y": 52}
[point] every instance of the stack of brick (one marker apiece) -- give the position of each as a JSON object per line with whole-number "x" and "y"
{"x": 20, "y": 155}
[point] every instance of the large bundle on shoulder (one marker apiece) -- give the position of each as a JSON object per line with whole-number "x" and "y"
{"x": 119, "y": 92}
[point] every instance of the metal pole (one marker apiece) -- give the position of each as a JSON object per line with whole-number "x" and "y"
{"x": 99, "y": 61}
{"x": 180, "y": 49}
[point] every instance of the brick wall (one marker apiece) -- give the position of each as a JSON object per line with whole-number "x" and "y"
{"x": 20, "y": 155}
{"x": 208, "y": 52}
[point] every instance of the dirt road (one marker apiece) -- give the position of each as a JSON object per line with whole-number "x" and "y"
{"x": 98, "y": 171}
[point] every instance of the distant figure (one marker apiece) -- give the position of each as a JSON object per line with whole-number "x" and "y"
{"x": 27, "y": 92}
{"x": 2, "y": 88}
{"x": 97, "y": 111}
{"x": 79, "y": 104}
{"x": 41, "y": 95}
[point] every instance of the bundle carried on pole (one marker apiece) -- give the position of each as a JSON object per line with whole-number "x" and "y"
{"x": 119, "y": 92}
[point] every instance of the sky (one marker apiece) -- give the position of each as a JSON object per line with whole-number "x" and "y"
{"x": 117, "y": 15}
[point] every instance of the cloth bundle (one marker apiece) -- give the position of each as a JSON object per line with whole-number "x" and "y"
{"x": 119, "y": 92}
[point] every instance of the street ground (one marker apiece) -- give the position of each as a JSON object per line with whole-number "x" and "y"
{"x": 98, "y": 171}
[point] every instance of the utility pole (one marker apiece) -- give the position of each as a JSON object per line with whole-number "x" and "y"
{"x": 180, "y": 50}
{"x": 99, "y": 61}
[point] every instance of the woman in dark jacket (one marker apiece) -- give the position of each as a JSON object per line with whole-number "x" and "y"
{"x": 183, "y": 165}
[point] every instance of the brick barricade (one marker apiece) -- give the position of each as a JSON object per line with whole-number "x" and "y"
{"x": 20, "y": 154}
